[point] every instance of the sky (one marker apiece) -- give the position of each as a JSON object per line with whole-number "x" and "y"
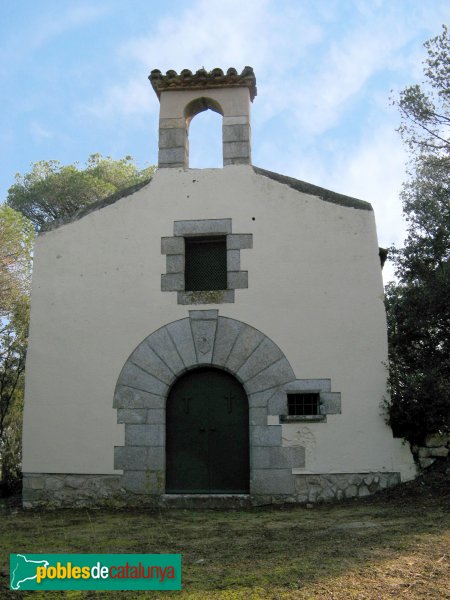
{"x": 73, "y": 81}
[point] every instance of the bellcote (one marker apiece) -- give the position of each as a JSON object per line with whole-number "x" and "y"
{"x": 184, "y": 95}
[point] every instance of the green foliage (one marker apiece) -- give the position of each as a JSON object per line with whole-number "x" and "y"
{"x": 16, "y": 242}
{"x": 13, "y": 346}
{"x": 425, "y": 112}
{"x": 53, "y": 191}
{"x": 49, "y": 191}
{"x": 418, "y": 302}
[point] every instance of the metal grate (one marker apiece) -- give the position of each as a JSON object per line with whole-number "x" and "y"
{"x": 304, "y": 404}
{"x": 206, "y": 263}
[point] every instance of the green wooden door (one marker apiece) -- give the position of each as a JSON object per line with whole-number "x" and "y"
{"x": 207, "y": 444}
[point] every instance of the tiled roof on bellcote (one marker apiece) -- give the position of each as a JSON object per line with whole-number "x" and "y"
{"x": 202, "y": 79}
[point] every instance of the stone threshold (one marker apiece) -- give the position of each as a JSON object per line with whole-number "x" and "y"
{"x": 205, "y": 500}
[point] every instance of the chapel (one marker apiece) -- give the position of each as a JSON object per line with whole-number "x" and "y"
{"x": 213, "y": 337}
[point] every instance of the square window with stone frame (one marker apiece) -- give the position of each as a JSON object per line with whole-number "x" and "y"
{"x": 205, "y": 263}
{"x": 304, "y": 404}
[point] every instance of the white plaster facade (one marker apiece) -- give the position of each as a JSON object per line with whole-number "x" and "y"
{"x": 314, "y": 288}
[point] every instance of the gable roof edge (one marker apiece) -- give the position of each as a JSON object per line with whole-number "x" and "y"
{"x": 315, "y": 190}
{"x": 97, "y": 205}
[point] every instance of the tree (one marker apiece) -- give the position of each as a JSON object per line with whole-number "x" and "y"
{"x": 417, "y": 303}
{"x": 13, "y": 347}
{"x": 16, "y": 239}
{"x": 53, "y": 191}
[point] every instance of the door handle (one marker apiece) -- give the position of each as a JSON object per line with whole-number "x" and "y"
{"x": 212, "y": 429}
{"x": 202, "y": 429}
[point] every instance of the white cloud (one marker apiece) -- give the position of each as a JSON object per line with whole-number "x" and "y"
{"x": 375, "y": 172}
{"x": 226, "y": 34}
{"x": 39, "y": 132}
{"x": 134, "y": 97}
{"x": 37, "y": 34}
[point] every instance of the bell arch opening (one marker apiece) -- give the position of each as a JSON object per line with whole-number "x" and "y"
{"x": 207, "y": 434}
{"x": 205, "y": 141}
{"x": 204, "y": 133}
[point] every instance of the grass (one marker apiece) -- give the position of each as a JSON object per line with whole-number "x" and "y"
{"x": 393, "y": 545}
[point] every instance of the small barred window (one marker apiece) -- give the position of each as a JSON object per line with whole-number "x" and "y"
{"x": 304, "y": 404}
{"x": 206, "y": 263}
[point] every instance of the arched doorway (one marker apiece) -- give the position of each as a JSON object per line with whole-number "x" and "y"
{"x": 207, "y": 434}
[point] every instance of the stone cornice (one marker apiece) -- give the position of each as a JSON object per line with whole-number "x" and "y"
{"x": 203, "y": 79}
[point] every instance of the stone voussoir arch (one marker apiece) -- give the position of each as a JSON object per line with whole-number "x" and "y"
{"x": 202, "y": 339}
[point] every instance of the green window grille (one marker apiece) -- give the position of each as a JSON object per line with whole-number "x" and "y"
{"x": 206, "y": 263}
{"x": 304, "y": 404}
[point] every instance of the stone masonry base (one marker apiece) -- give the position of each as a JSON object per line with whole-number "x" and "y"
{"x": 57, "y": 490}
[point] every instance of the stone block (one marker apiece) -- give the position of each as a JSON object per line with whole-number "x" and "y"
{"x": 206, "y": 297}
{"x": 136, "y": 482}
{"x": 262, "y": 357}
{"x": 239, "y": 241}
{"x": 172, "y": 245}
{"x": 172, "y": 282}
{"x": 363, "y": 491}
{"x": 271, "y": 481}
{"x": 138, "y": 458}
{"x": 125, "y": 397}
{"x": 262, "y": 399}
{"x": 441, "y": 452}
{"x": 273, "y": 419}
{"x": 146, "y": 359}
{"x": 54, "y": 483}
{"x": 161, "y": 342}
{"x": 314, "y": 492}
{"x": 130, "y": 457}
{"x": 237, "y": 161}
{"x": 156, "y": 416}
{"x": 227, "y": 333}
{"x": 172, "y": 137}
{"x": 424, "y": 452}
{"x": 277, "y": 374}
{"x": 236, "y": 133}
{"x": 330, "y": 403}
{"x": 232, "y": 150}
{"x": 203, "y": 333}
{"x": 171, "y": 156}
{"x": 241, "y": 120}
{"x": 144, "y": 435}
{"x": 74, "y": 482}
{"x": 233, "y": 260}
{"x": 167, "y": 123}
{"x": 426, "y": 462}
{"x": 435, "y": 440}
{"x": 258, "y": 416}
{"x": 135, "y": 377}
{"x": 265, "y": 435}
{"x": 247, "y": 341}
{"x": 307, "y": 385}
{"x": 203, "y": 315}
{"x": 131, "y": 415}
{"x": 202, "y": 227}
{"x": 181, "y": 334}
{"x": 150, "y": 481}
{"x": 26, "y": 481}
{"x": 351, "y": 491}
{"x": 36, "y": 483}
{"x": 237, "y": 280}
{"x": 175, "y": 263}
